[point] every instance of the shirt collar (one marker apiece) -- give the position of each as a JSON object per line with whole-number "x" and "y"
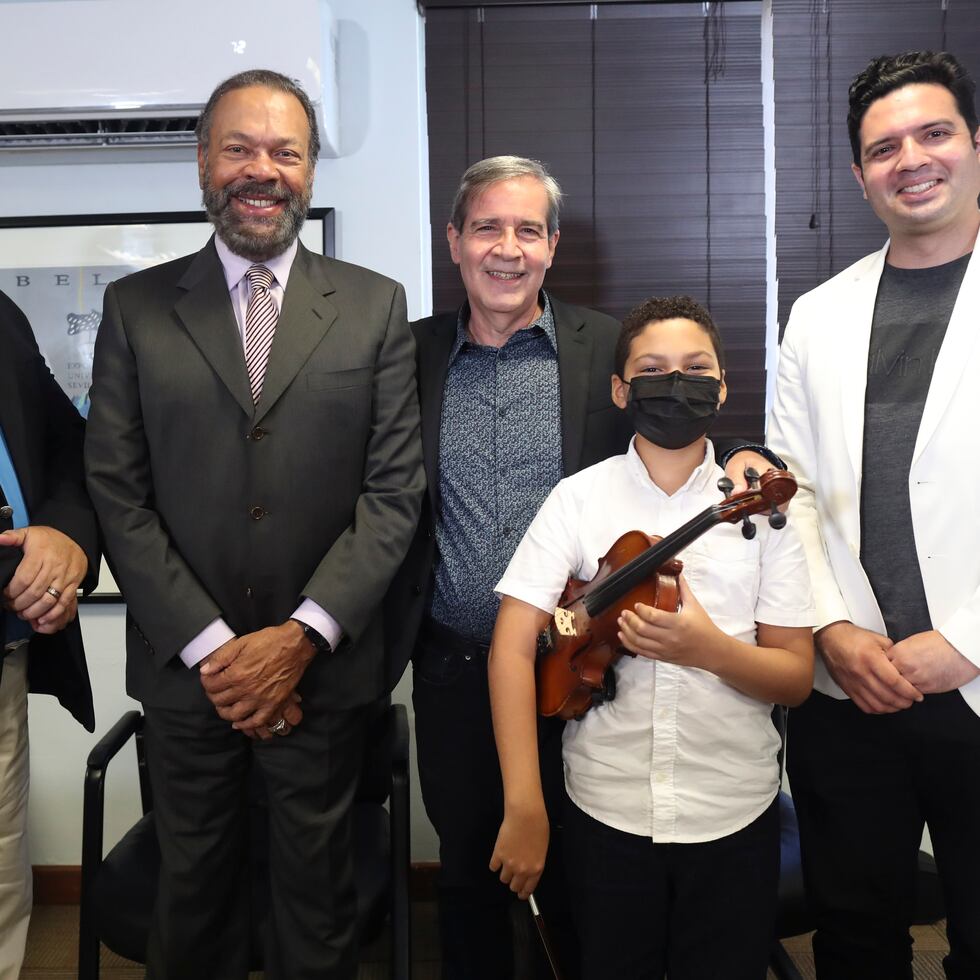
{"x": 235, "y": 266}
{"x": 696, "y": 482}
{"x": 545, "y": 322}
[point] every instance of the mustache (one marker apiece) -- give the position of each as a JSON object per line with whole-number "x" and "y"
{"x": 245, "y": 188}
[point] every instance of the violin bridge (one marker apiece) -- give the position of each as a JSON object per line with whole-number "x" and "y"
{"x": 565, "y": 621}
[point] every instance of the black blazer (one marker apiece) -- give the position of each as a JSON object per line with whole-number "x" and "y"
{"x": 592, "y": 429}
{"x": 213, "y": 506}
{"x": 45, "y": 434}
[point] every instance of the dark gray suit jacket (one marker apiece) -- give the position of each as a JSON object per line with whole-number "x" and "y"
{"x": 592, "y": 429}
{"x": 44, "y": 434}
{"x": 214, "y": 507}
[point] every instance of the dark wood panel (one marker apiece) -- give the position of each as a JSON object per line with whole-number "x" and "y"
{"x": 650, "y": 116}
{"x": 822, "y": 223}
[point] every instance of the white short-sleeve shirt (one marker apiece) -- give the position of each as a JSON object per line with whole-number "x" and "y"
{"x": 679, "y": 756}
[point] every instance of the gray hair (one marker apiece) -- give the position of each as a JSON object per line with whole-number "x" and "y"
{"x": 481, "y": 175}
{"x": 265, "y": 78}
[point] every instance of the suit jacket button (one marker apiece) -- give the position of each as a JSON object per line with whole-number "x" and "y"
{"x": 417, "y": 589}
{"x": 6, "y": 513}
{"x": 258, "y": 433}
{"x": 257, "y": 513}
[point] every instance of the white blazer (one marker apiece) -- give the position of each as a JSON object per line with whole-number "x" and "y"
{"x": 817, "y": 426}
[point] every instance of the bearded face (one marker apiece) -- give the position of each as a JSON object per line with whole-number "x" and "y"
{"x": 251, "y": 233}
{"x": 255, "y": 171}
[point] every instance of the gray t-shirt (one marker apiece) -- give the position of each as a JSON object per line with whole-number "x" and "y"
{"x": 911, "y": 314}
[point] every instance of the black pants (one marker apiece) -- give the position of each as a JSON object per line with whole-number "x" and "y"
{"x": 199, "y": 771}
{"x": 691, "y": 911}
{"x": 463, "y": 795}
{"x": 863, "y": 787}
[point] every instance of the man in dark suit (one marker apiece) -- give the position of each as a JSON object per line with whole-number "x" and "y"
{"x": 48, "y": 549}
{"x": 253, "y": 452}
{"x": 514, "y": 389}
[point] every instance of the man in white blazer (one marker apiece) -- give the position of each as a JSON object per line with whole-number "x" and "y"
{"x": 876, "y": 412}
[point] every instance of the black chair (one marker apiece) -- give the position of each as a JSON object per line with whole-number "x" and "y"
{"x": 118, "y": 891}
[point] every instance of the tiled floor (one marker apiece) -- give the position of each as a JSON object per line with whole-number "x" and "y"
{"x": 52, "y": 950}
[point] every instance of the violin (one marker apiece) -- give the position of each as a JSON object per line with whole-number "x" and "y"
{"x": 577, "y": 651}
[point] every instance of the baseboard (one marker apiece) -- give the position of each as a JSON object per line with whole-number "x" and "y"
{"x": 57, "y": 884}
{"x": 61, "y": 884}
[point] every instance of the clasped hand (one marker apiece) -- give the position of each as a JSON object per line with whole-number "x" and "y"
{"x": 251, "y": 680}
{"x": 51, "y": 561}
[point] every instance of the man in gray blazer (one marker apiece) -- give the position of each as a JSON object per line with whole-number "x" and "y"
{"x": 253, "y": 453}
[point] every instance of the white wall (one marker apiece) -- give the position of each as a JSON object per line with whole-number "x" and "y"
{"x": 379, "y": 187}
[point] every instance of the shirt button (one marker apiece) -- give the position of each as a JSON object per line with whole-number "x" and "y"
{"x": 258, "y": 433}
{"x": 660, "y": 777}
{"x": 257, "y": 513}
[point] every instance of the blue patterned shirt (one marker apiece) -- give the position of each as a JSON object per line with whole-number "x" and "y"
{"x": 499, "y": 457}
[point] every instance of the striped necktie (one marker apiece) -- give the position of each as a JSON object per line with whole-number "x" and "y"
{"x": 260, "y": 326}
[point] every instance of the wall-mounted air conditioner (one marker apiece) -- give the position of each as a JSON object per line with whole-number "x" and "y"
{"x": 104, "y": 73}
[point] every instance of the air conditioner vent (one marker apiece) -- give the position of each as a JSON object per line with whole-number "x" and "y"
{"x": 118, "y": 131}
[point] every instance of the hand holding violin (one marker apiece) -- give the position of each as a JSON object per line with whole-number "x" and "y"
{"x": 687, "y": 637}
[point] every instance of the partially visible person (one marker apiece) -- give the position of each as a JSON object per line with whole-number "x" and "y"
{"x": 48, "y": 550}
{"x": 513, "y": 395}
{"x": 672, "y": 822}
{"x": 875, "y": 412}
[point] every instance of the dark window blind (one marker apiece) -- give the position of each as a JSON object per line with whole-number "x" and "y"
{"x": 822, "y": 222}
{"x": 650, "y": 116}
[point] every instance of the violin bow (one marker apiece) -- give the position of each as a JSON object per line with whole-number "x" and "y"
{"x": 543, "y": 933}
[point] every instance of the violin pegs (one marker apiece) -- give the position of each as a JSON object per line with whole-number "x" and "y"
{"x": 751, "y": 477}
{"x": 777, "y": 521}
{"x": 726, "y": 486}
{"x": 748, "y": 529}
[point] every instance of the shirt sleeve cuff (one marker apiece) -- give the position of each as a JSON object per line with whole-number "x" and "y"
{"x": 216, "y": 633}
{"x": 313, "y": 615}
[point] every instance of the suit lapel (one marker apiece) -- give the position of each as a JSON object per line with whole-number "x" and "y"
{"x": 574, "y": 359}
{"x": 13, "y": 419}
{"x": 206, "y": 312}
{"x": 304, "y": 321}
{"x": 434, "y": 346}
{"x": 853, "y": 363}
{"x": 954, "y": 354}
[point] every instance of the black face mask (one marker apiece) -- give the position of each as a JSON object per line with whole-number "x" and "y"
{"x": 672, "y": 410}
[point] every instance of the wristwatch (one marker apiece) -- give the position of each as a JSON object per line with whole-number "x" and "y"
{"x": 315, "y": 637}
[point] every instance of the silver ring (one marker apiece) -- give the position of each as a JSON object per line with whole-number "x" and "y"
{"x": 279, "y": 727}
{"x": 52, "y": 591}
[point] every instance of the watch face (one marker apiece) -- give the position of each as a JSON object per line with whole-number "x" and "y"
{"x": 316, "y": 638}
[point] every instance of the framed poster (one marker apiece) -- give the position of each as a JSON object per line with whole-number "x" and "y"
{"x": 56, "y": 268}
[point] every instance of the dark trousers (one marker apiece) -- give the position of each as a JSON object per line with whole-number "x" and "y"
{"x": 688, "y": 911}
{"x": 863, "y": 787}
{"x": 463, "y": 795}
{"x": 199, "y": 770}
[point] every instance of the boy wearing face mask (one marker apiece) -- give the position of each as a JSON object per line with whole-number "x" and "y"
{"x": 672, "y": 835}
